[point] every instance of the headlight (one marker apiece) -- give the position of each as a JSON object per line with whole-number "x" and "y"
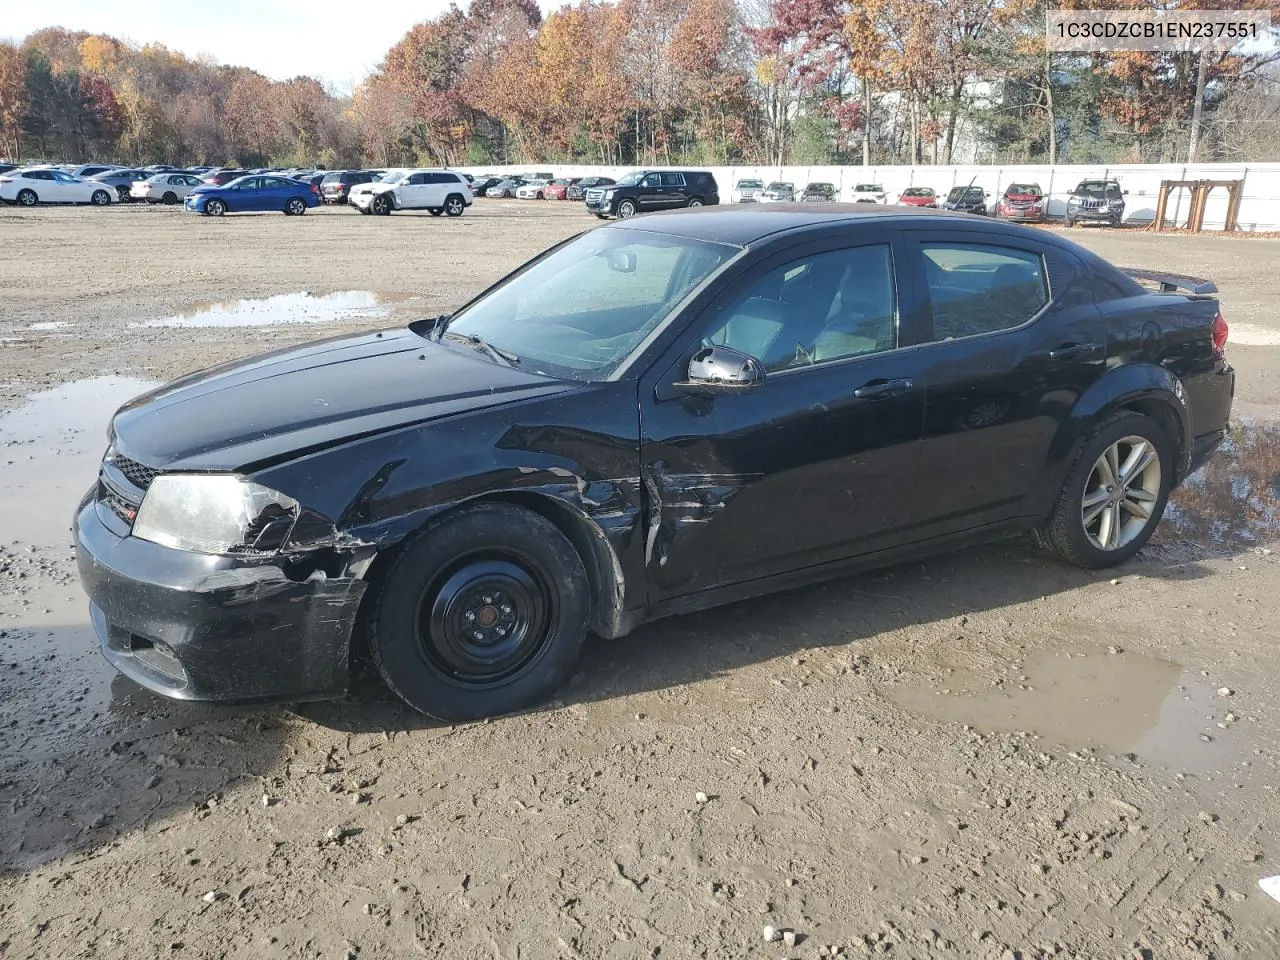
{"x": 1073, "y": 201}
{"x": 608, "y": 194}
{"x": 214, "y": 513}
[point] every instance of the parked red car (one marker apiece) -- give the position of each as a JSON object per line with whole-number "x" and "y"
{"x": 918, "y": 197}
{"x": 558, "y": 189}
{"x": 1022, "y": 201}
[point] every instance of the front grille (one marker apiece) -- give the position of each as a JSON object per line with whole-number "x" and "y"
{"x": 122, "y": 508}
{"x": 1093, "y": 204}
{"x": 136, "y": 473}
{"x": 595, "y": 196}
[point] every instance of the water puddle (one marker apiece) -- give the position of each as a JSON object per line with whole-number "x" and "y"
{"x": 49, "y": 450}
{"x": 286, "y": 308}
{"x": 49, "y": 325}
{"x": 1233, "y": 502}
{"x": 1122, "y": 703}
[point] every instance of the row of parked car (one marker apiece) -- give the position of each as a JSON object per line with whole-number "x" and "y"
{"x": 1098, "y": 200}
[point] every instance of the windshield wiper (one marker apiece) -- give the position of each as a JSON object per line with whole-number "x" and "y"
{"x": 506, "y": 357}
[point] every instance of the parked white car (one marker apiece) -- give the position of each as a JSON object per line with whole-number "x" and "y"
{"x": 746, "y": 191}
{"x": 31, "y": 185}
{"x": 165, "y": 187}
{"x": 436, "y": 191}
{"x": 532, "y": 190}
{"x": 869, "y": 193}
{"x": 359, "y": 195}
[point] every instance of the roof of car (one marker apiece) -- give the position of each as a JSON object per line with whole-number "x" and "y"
{"x": 743, "y": 225}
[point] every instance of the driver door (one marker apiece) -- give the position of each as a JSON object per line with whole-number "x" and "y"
{"x": 246, "y": 194}
{"x": 651, "y": 195}
{"x": 814, "y": 465}
{"x": 67, "y": 189}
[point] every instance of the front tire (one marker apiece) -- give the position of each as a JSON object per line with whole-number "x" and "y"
{"x": 453, "y": 205}
{"x": 214, "y": 208}
{"x": 27, "y": 198}
{"x": 483, "y": 612}
{"x": 626, "y": 209}
{"x": 1114, "y": 494}
{"x": 170, "y": 197}
{"x": 381, "y": 206}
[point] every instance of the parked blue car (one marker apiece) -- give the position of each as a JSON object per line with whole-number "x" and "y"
{"x": 254, "y": 193}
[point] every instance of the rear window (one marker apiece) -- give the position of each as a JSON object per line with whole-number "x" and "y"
{"x": 334, "y": 178}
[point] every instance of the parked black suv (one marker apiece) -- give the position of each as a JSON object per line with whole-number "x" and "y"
{"x": 1095, "y": 200}
{"x": 646, "y": 190}
{"x": 819, "y": 193}
{"x": 967, "y": 200}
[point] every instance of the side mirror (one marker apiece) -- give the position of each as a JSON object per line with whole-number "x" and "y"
{"x": 622, "y": 261}
{"x": 717, "y": 371}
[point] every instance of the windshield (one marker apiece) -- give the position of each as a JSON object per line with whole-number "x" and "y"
{"x": 965, "y": 193}
{"x": 631, "y": 179}
{"x": 917, "y": 192}
{"x": 1098, "y": 188}
{"x": 1025, "y": 189}
{"x": 749, "y": 184}
{"x": 580, "y": 311}
{"x": 781, "y": 187}
{"x": 868, "y": 188}
{"x": 819, "y": 188}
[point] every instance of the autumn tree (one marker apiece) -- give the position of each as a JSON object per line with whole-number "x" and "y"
{"x": 13, "y": 99}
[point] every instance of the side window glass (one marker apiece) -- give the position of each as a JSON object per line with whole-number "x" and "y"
{"x": 974, "y": 288}
{"x": 672, "y": 180}
{"x": 829, "y": 306}
{"x": 650, "y": 180}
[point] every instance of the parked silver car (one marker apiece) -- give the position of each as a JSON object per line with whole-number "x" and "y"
{"x": 165, "y": 187}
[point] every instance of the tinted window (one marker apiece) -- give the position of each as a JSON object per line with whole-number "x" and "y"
{"x": 672, "y": 180}
{"x": 825, "y": 307}
{"x": 248, "y": 183}
{"x": 274, "y": 183}
{"x": 975, "y": 288}
{"x": 38, "y": 175}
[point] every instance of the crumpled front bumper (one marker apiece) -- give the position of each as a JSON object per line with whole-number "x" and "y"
{"x": 199, "y": 627}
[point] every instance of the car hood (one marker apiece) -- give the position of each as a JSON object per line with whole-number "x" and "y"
{"x": 917, "y": 201}
{"x": 282, "y": 404}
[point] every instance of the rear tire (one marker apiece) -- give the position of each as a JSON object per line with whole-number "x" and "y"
{"x": 27, "y": 198}
{"x": 295, "y": 208}
{"x": 695, "y": 202}
{"x": 483, "y": 612}
{"x": 1123, "y": 470}
{"x": 454, "y": 205}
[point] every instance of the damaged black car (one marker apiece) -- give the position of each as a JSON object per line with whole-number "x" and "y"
{"x": 660, "y": 415}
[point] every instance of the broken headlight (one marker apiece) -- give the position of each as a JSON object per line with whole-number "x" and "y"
{"x": 214, "y": 513}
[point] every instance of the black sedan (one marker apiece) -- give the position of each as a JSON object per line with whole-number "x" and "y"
{"x": 657, "y": 416}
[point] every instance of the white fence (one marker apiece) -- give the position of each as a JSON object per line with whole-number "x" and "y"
{"x": 1259, "y": 207}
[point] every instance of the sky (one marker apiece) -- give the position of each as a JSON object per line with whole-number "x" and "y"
{"x": 336, "y": 41}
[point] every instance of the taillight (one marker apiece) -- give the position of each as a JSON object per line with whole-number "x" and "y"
{"x": 6, "y": 180}
{"x": 1219, "y": 332}
{"x": 314, "y": 188}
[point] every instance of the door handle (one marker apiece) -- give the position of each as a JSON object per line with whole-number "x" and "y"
{"x": 882, "y": 389}
{"x": 1072, "y": 351}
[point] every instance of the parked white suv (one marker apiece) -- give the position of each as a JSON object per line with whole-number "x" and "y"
{"x": 870, "y": 193}
{"x": 436, "y": 191}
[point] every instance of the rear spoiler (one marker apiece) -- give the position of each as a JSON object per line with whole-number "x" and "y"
{"x": 1172, "y": 282}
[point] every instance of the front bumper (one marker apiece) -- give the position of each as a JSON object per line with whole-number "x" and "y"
{"x": 600, "y": 206}
{"x": 199, "y": 627}
{"x": 1095, "y": 213}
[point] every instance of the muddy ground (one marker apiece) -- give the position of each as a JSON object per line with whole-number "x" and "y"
{"x": 984, "y": 755}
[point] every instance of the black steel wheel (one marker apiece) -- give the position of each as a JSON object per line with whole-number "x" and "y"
{"x": 482, "y": 613}
{"x": 170, "y": 197}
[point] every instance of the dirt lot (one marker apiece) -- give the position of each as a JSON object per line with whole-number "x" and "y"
{"x": 986, "y": 755}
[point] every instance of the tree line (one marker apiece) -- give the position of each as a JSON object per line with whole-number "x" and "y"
{"x": 658, "y": 81}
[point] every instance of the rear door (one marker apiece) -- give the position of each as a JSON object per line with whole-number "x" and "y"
{"x": 1013, "y": 339}
{"x": 675, "y": 190}
{"x": 276, "y": 191}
